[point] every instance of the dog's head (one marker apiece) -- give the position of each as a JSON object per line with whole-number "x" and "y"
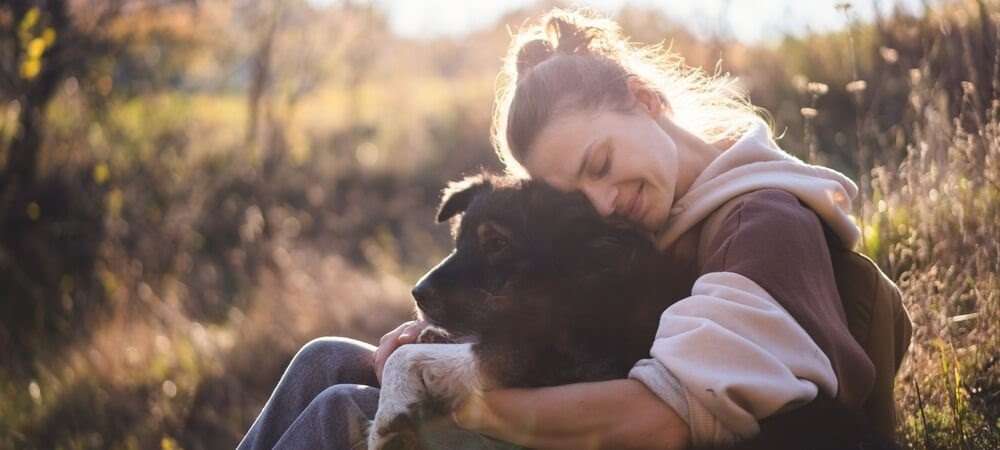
{"x": 524, "y": 253}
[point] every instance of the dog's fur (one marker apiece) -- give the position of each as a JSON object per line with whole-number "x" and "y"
{"x": 550, "y": 293}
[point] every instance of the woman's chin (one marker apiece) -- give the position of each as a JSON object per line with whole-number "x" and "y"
{"x": 654, "y": 222}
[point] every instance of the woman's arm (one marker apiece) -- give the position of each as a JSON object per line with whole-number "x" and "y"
{"x": 619, "y": 414}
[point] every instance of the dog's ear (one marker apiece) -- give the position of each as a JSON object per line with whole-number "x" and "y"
{"x": 459, "y": 194}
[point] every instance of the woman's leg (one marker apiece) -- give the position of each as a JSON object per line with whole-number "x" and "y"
{"x": 337, "y": 419}
{"x": 320, "y": 364}
{"x": 325, "y": 399}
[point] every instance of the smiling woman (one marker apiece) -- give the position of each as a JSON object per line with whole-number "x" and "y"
{"x": 620, "y": 112}
{"x": 684, "y": 157}
{"x": 598, "y": 153}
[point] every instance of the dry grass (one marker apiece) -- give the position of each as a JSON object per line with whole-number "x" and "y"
{"x": 214, "y": 265}
{"x": 154, "y": 374}
{"x": 936, "y": 220}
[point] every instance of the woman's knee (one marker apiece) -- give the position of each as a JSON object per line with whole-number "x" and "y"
{"x": 336, "y": 359}
{"x": 323, "y": 350}
{"x": 347, "y": 397}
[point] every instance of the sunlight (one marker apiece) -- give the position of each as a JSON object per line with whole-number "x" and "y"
{"x": 747, "y": 21}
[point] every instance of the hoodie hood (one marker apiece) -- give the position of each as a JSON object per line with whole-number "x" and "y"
{"x": 756, "y": 162}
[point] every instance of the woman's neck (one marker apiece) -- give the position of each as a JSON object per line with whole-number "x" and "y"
{"x": 693, "y": 155}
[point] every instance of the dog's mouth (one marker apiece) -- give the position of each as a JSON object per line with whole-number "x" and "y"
{"x": 457, "y": 335}
{"x": 479, "y": 306}
{"x": 433, "y": 317}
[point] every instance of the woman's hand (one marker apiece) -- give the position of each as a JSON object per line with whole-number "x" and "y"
{"x": 620, "y": 414}
{"x": 407, "y": 333}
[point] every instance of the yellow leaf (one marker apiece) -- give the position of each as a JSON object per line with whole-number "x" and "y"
{"x": 101, "y": 173}
{"x": 30, "y": 19}
{"x": 30, "y": 68}
{"x": 35, "y": 48}
{"x": 109, "y": 281}
{"x": 34, "y": 211}
{"x": 49, "y": 36}
{"x": 168, "y": 443}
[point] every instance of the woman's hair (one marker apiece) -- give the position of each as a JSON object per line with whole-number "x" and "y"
{"x": 578, "y": 61}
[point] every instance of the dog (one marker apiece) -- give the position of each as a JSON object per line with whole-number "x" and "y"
{"x": 542, "y": 291}
{"x": 550, "y": 291}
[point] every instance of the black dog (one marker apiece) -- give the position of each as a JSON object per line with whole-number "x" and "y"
{"x": 551, "y": 293}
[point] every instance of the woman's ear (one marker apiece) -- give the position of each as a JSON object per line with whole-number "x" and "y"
{"x": 651, "y": 101}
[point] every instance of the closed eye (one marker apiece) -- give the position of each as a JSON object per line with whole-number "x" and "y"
{"x": 604, "y": 168}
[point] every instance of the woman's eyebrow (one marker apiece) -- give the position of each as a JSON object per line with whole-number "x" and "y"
{"x": 586, "y": 157}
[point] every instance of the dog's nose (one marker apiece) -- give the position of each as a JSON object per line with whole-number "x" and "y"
{"x": 423, "y": 293}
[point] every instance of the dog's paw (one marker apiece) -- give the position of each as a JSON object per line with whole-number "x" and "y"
{"x": 395, "y": 433}
{"x": 434, "y": 335}
{"x": 394, "y": 424}
{"x": 420, "y": 382}
{"x": 398, "y": 431}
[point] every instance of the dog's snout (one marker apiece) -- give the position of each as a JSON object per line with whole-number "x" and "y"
{"x": 423, "y": 293}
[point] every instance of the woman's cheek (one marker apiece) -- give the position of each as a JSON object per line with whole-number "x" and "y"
{"x": 656, "y": 216}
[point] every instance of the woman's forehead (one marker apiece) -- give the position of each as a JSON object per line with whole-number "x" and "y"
{"x": 558, "y": 148}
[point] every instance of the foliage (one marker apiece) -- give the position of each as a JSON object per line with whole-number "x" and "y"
{"x": 219, "y": 182}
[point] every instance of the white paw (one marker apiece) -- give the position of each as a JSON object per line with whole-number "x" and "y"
{"x": 419, "y": 381}
{"x": 401, "y": 387}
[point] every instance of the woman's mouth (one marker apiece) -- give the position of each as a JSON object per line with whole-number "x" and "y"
{"x": 635, "y": 208}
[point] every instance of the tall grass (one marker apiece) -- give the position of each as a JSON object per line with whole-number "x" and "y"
{"x": 932, "y": 219}
{"x": 211, "y": 266}
{"x": 935, "y": 218}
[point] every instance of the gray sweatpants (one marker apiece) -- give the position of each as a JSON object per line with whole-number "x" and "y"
{"x": 325, "y": 399}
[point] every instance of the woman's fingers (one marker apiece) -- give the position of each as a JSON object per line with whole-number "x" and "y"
{"x": 406, "y": 333}
{"x": 395, "y": 332}
{"x": 411, "y": 331}
{"x": 386, "y": 346}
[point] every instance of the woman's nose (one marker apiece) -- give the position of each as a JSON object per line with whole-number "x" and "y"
{"x": 602, "y": 197}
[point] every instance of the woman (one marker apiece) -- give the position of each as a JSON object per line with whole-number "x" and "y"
{"x": 685, "y": 158}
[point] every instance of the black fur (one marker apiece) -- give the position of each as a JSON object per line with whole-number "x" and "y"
{"x": 554, "y": 294}
{"x": 459, "y": 194}
{"x": 571, "y": 298}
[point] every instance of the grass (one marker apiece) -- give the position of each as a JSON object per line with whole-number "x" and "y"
{"x": 933, "y": 222}
{"x": 216, "y": 264}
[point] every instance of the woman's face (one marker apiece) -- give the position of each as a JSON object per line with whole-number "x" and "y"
{"x": 625, "y": 163}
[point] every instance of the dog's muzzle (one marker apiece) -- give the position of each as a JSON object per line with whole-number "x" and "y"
{"x": 424, "y": 294}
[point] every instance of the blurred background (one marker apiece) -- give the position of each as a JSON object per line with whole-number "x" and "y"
{"x": 190, "y": 190}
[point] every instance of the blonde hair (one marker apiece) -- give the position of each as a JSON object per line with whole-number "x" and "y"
{"x": 573, "y": 60}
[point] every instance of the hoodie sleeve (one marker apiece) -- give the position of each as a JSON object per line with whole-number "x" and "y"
{"x": 757, "y": 333}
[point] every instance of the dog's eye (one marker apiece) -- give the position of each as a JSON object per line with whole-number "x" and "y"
{"x": 494, "y": 240}
{"x": 495, "y": 245}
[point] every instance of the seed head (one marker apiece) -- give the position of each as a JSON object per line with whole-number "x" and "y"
{"x": 890, "y": 55}
{"x": 817, "y": 89}
{"x": 856, "y": 86}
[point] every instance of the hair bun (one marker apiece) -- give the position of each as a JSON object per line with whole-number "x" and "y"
{"x": 570, "y": 37}
{"x": 567, "y": 33}
{"x": 531, "y": 54}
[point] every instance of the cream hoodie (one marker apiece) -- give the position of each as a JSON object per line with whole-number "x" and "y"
{"x": 730, "y": 355}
